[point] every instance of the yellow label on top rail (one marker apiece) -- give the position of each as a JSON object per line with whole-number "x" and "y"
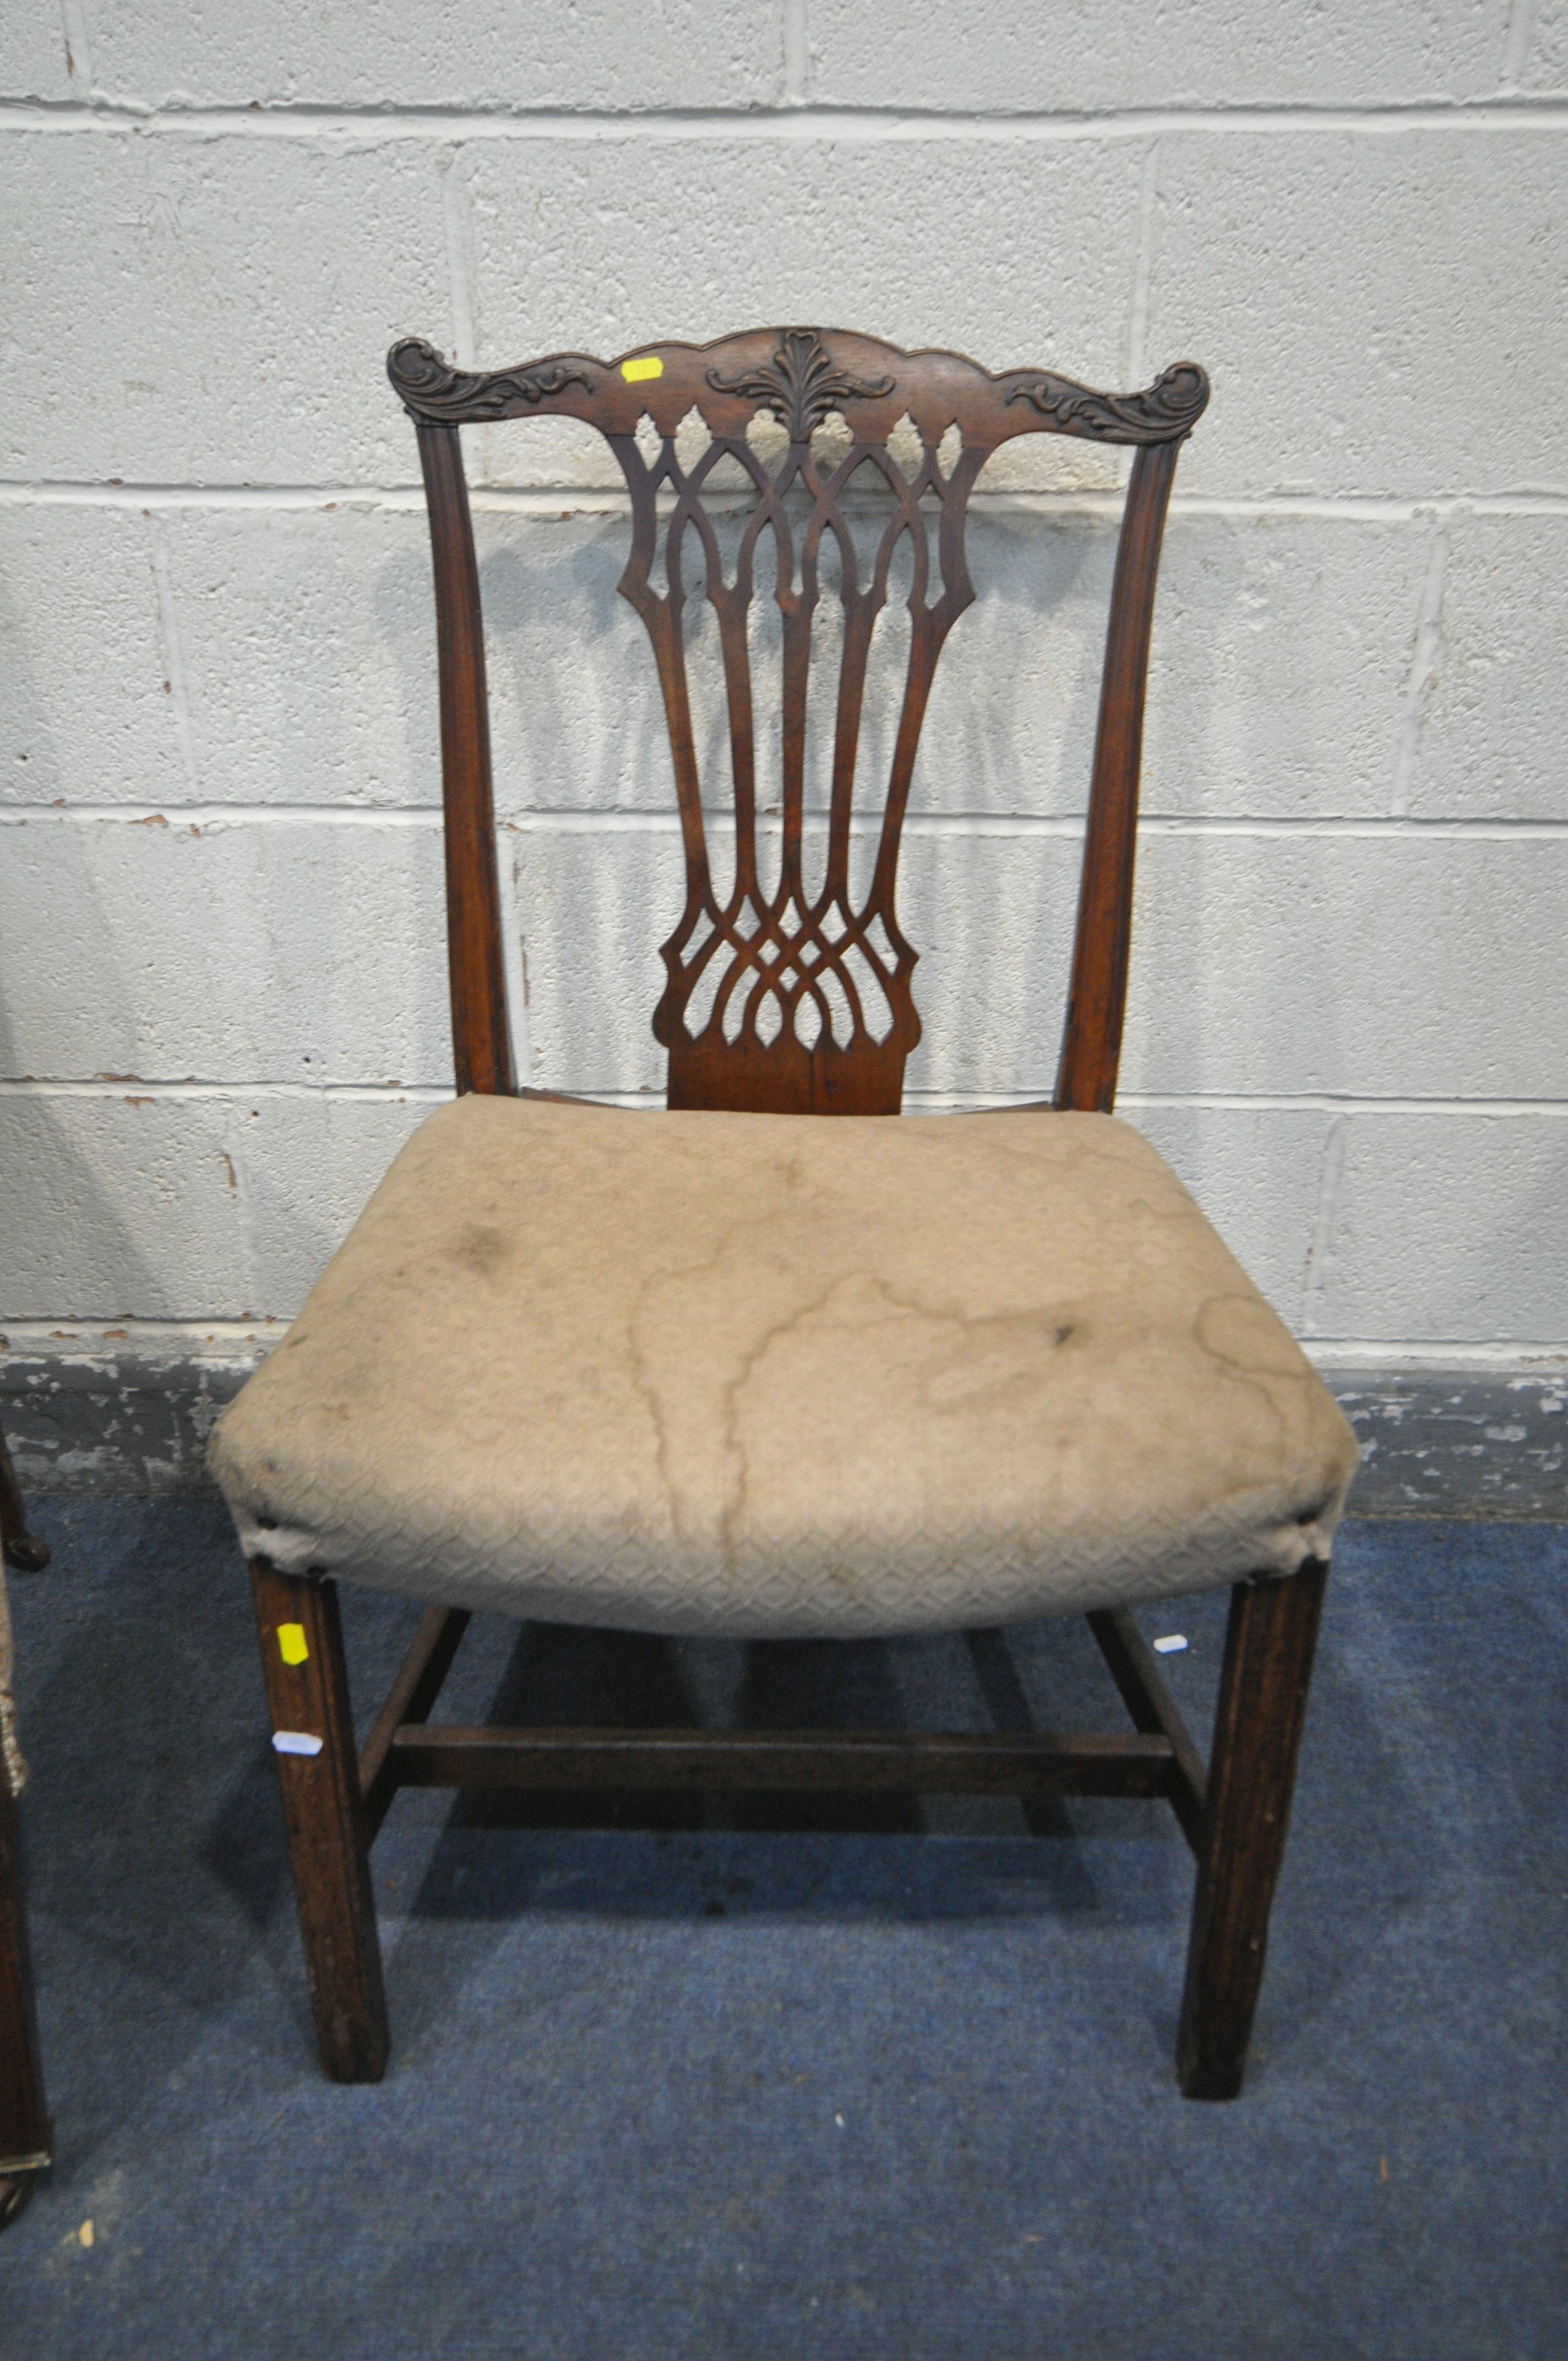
{"x": 634, "y": 372}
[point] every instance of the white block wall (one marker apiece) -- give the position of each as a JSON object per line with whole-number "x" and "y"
{"x": 221, "y": 962}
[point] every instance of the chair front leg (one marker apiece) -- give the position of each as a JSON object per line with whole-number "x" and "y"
{"x": 1252, "y": 1772}
{"x": 307, "y": 1688}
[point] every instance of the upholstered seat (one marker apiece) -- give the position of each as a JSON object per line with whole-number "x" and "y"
{"x": 767, "y": 1375}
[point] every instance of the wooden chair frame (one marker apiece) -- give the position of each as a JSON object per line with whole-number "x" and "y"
{"x": 1234, "y": 1812}
{"x": 25, "y": 2131}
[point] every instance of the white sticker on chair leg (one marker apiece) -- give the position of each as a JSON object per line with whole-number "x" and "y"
{"x": 1171, "y": 1646}
{"x": 296, "y": 1741}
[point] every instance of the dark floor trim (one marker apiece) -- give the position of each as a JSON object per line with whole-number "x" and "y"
{"x": 132, "y": 1423}
{"x": 1454, "y": 1441}
{"x": 1459, "y": 1442}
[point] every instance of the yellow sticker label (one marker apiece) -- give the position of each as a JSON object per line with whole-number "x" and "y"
{"x": 292, "y": 1644}
{"x": 636, "y": 372}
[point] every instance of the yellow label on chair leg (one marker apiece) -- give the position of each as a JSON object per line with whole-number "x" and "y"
{"x": 292, "y": 1644}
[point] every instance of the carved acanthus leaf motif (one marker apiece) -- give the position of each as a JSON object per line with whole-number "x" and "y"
{"x": 800, "y": 384}
{"x": 1169, "y": 407}
{"x": 431, "y": 388}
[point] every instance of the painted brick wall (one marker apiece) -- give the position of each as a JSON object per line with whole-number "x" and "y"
{"x": 220, "y": 966}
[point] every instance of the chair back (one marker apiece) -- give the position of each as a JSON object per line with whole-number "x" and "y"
{"x": 792, "y": 993}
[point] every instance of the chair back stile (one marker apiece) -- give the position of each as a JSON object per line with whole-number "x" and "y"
{"x": 481, "y": 1038}
{"x": 794, "y": 997}
{"x": 1097, "y": 989}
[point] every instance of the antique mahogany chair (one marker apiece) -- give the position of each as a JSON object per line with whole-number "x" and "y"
{"x": 731, "y": 1368}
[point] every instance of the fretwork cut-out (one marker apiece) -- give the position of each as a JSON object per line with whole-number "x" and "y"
{"x": 810, "y": 492}
{"x": 784, "y": 977}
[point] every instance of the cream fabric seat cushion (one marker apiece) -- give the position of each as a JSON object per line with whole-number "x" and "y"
{"x": 769, "y": 1375}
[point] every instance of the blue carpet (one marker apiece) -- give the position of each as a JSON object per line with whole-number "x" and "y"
{"x": 892, "y": 2080}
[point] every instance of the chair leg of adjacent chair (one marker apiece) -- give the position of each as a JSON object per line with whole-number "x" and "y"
{"x": 307, "y": 1689}
{"x": 24, "y": 2117}
{"x": 1252, "y": 1772}
{"x": 20, "y": 1548}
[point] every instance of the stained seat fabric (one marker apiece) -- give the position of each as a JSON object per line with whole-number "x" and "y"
{"x": 772, "y": 1375}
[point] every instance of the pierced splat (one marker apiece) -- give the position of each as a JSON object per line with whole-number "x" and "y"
{"x": 786, "y": 997}
{"x": 793, "y": 995}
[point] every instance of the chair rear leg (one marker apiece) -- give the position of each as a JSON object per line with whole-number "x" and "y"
{"x": 307, "y": 1688}
{"x": 1252, "y": 1772}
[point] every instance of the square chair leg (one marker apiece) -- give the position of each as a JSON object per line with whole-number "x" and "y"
{"x": 1252, "y": 1772}
{"x": 307, "y": 1689}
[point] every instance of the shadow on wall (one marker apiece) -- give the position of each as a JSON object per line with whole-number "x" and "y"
{"x": 583, "y": 776}
{"x": 129, "y": 1199}
{"x": 65, "y": 1251}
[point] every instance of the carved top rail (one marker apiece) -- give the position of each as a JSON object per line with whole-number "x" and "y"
{"x": 800, "y": 375}
{"x": 798, "y": 997}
